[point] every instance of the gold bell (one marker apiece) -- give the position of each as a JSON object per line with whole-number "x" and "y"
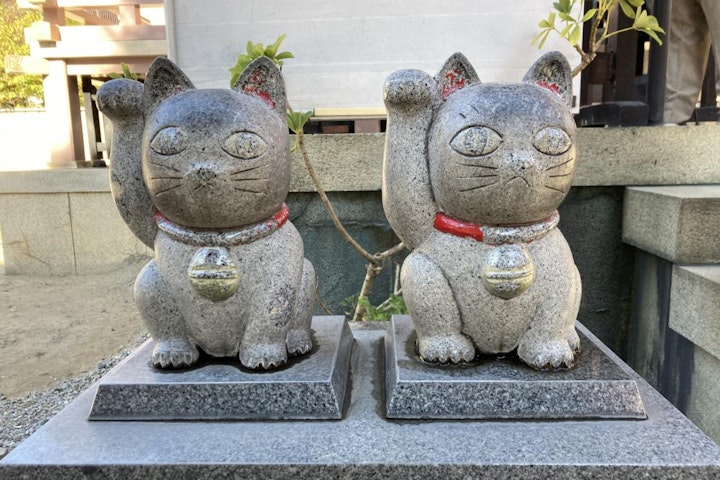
{"x": 508, "y": 271}
{"x": 213, "y": 274}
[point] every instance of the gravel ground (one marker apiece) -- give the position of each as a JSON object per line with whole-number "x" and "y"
{"x": 20, "y": 417}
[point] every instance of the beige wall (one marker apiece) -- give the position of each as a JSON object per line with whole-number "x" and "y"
{"x": 345, "y": 49}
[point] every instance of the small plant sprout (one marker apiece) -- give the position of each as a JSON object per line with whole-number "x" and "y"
{"x": 569, "y": 27}
{"x": 126, "y": 73}
{"x": 257, "y": 50}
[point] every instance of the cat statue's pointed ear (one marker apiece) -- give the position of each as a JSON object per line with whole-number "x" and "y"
{"x": 552, "y": 72}
{"x": 164, "y": 79}
{"x": 457, "y": 73}
{"x": 262, "y": 79}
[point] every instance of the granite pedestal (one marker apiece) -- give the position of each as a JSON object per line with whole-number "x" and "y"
{"x": 365, "y": 444}
{"x": 504, "y": 388}
{"x": 308, "y": 387}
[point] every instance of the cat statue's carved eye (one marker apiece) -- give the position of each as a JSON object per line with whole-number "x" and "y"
{"x": 169, "y": 141}
{"x": 244, "y": 145}
{"x": 552, "y": 141}
{"x": 476, "y": 141}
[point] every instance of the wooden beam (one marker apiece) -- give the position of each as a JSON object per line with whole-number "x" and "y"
{"x": 21, "y": 64}
{"x": 40, "y": 3}
{"x": 42, "y": 32}
{"x": 87, "y": 18}
{"x": 129, "y": 15}
{"x": 60, "y": 137}
{"x": 94, "y": 33}
{"x": 103, "y": 67}
{"x": 104, "y": 3}
{"x": 120, "y": 49}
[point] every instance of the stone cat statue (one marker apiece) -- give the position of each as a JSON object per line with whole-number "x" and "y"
{"x": 472, "y": 178}
{"x": 201, "y": 176}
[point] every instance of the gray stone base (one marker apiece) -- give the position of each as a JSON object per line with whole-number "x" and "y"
{"x": 308, "y": 387}
{"x": 504, "y": 388}
{"x": 366, "y": 445}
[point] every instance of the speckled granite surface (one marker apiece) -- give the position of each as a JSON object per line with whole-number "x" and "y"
{"x": 493, "y": 388}
{"x": 365, "y": 445}
{"x": 309, "y": 387}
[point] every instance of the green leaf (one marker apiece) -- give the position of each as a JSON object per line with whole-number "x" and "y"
{"x": 544, "y": 38}
{"x": 654, "y": 36}
{"x": 306, "y": 116}
{"x": 565, "y": 31}
{"x": 284, "y": 55}
{"x": 271, "y": 50}
{"x": 250, "y": 47}
{"x": 627, "y": 8}
{"x": 537, "y": 37}
{"x": 575, "y": 35}
{"x": 588, "y": 15}
{"x": 566, "y": 17}
{"x": 258, "y": 51}
{"x": 563, "y": 6}
{"x": 652, "y": 24}
{"x": 297, "y": 120}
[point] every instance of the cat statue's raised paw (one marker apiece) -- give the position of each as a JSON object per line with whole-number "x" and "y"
{"x": 472, "y": 178}
{"x": 201, "y": 176}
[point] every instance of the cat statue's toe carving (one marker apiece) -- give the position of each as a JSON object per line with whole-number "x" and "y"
{"x": 472, "y": 178}
{"x": 201, "y": 176}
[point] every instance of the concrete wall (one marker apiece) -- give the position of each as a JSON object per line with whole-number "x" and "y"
{"x": 676, "y": 316}
{"x": 23, "y": 142}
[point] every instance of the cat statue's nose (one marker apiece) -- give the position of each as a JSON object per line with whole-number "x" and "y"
{"x": 205, "y": 174}
{"x": 521, "y": 163}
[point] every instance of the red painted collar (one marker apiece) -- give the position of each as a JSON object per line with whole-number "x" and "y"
{"x": 223, "y": 238}
{"x": 495, "y": 235}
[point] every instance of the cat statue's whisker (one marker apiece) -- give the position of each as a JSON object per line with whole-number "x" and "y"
{"x": 167, "y": 190}
{"x": 556, "y": 189}
{"x": 560, "y": 164}
{"x": 249, "y": 169}
{"x": 479, "y": 166}
{"x": 478, "y": 176}
{"x": 166, "y": 178}
{"x": 250, "y": 178}
{"x": 477, "y": 187}
{"x": 169, "y": 167}
{"x": 247, "y": 190}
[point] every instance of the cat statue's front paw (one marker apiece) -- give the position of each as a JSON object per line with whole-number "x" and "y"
{"x": 263, "y": 356}
{"x": 453, "y": 348}
{"x": 546, "y": 355}
{"x": 169, "y": 354}
{"x": 298, "y": 342}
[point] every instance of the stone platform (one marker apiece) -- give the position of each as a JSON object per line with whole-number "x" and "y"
{"x": 308, "y": 387}
{"x": 365, "y": 444}
{"x": 504, "y": 388}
